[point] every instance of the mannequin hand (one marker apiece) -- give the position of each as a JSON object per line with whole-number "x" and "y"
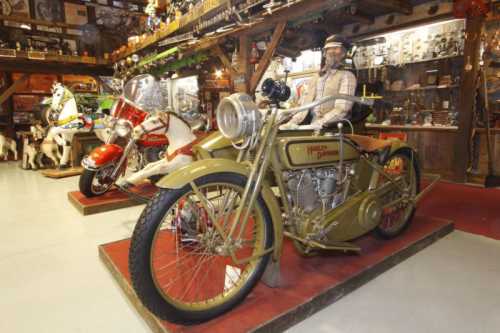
{"x": 289, "y": 126}
{"x": 312, "y": 127}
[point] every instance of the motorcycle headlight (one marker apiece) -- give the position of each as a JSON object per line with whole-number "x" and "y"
{"x": 123, "y": 128}
{"x": 238, "y": 117}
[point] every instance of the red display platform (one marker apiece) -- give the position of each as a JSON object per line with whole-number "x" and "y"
{"x": 473, "y": 209}
{"x": 308, "y": 284}
{"x": 113, "y": 199}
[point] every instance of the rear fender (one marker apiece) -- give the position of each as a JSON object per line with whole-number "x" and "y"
{"x": 195, "y": 170}
{"x": 397, "y": 144}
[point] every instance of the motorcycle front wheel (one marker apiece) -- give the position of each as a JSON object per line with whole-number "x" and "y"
{"x": 181, "y": 268}
{"x": 94, "y": 183}
{"x": 402, "y": 163}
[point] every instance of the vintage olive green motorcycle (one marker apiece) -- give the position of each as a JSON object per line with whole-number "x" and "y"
{"x": 217, "y": 226}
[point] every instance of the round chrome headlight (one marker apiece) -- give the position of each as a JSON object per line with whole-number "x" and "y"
{"x": 123, "y": 128}
{"x": 238, "y": 117}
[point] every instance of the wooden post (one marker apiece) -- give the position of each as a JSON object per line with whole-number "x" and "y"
{"x": 268, "y": 55}
{"x": 241, "y": 80}
{"x": 468, "y": 87}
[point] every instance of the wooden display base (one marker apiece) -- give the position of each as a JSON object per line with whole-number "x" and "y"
{"x": 307, "y": 286}
{"x": 113, "y": 199}
{"x": 62, "y": 173}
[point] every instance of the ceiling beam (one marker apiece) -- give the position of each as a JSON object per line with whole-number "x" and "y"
{"x": 217, "y": 50}
{"x": 362, "y": 18}
{"x": 32, "y": 66}
{"x": 399, "y": 6}
{"x": 20, "y": 19}
{"x": 268, "y": 55}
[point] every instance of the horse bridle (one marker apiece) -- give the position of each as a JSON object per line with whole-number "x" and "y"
{"x": 165, "y": 124}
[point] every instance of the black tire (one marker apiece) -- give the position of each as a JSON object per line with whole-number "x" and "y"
{"x": 85, "y": 184}
{"x": 141, "y": 245}
{"x": 408, "y": 153}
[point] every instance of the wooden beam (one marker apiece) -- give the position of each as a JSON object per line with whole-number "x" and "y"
{"x": 268, "y": 55}
{"x": 33, "y": 66}
{"x": 399, "y": 6}
{"x": 20, "y": 19}
{"x": 468, "y": 88}
{"x": 241, "y": 81}
{"x": 12, "y": 89}
{"x": 362, "y": 18}
{"x": 260, "y": 23}
{"x": 223, "y": 58}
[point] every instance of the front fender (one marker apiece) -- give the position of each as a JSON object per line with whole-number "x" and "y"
{"x": 102, "y": 156}
{"x": 195, "y": 170}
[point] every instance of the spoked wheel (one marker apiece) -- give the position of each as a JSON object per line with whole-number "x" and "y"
{"x": 94, "y": 183}
{"x": 396, "y": 219}
{"x": 184, "y": 268}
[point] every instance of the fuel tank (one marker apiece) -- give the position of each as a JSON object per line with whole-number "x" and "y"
{"x": 306, "y": 151}
{"x": 215, "y": 145}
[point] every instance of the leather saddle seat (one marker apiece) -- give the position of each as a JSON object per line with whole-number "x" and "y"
{"x": 368, "y": 144}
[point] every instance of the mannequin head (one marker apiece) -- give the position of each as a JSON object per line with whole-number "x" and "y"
{"x": 334, "y": 52}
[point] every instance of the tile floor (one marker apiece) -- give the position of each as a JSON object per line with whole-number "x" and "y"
{"x": 51, "y": 279}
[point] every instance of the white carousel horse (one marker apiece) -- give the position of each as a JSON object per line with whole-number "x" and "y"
{"x": 6, "y": 145}
{"x": 70, "y": 121}
{"x": 180, "y": 138}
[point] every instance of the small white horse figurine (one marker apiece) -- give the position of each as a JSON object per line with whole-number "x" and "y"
{"x": 41, "y": 146}
{"x": 70, "y": 121}
{"x": 6, "y": 145}
{"x": 180, "y": 138}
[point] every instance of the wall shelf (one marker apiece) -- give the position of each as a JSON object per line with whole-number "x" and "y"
{"x": 454, "y": 86}
{"x": 412, "y": 128}
{"x": 460, "y": 56}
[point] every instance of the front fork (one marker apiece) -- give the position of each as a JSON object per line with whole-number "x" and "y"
{"x": 130, "y": 145}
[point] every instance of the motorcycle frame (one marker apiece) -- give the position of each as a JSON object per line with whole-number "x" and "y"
{"x": 268, "y": 156}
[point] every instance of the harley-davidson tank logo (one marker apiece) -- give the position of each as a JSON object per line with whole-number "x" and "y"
{"x": 321, "y": 151}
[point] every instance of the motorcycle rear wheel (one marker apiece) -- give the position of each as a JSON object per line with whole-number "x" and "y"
{"x": 395, "y": 221}
{"x": 176, "y": 266}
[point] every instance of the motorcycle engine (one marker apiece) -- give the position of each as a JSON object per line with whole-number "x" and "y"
{"x": 310, "y": 189}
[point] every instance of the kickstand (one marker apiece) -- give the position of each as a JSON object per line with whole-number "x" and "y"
{"x": 272, "y": 274}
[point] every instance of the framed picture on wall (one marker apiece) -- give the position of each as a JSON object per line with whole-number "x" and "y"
{"x": 36, "y": 83}
{"x": 75, "y": 14}
{"x": 48, "y": 10}
{"x": 80, "y": 83}
{"x": 20, "y": 8}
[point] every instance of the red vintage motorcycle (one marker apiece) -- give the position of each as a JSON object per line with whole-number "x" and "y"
{"x": 122, "y": 151}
